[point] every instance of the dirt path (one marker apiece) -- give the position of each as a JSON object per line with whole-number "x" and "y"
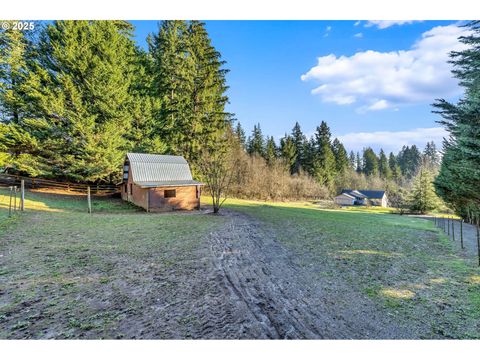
{"x": 277, "y": 298}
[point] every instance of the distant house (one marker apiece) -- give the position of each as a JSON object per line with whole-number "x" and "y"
{"x": 159, "y": 183}
{"x": 362, "y": 197}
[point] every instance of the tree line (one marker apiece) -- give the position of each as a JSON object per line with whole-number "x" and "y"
{"x": 327, "y": 160}
{"x": 75, "y": 96}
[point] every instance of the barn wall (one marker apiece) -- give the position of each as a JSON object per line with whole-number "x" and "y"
{"x": 186, "y": 198}
{"x": 138, "y": 196}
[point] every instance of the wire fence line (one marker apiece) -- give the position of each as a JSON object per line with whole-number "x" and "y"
{"x": 37, "y": 183}
{"x": 467, "y": 235}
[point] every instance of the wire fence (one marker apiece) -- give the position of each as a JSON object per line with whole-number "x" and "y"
{"x": 36, "y": 183}
{"x": 468, "y": 235}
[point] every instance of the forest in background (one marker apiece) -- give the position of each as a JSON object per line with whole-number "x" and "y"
{"x": 75, "y": 96}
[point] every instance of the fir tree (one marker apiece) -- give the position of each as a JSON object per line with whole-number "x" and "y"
{"x": 256, "y": 142}
{"x": 359, "y": 168}
{"x": 352, "y": 160}
{"x": 394, "y": 167}
{"x": 370, "y": 162}
{"x": 324, "y": 160}
{"x": 342, "y": 162}
{"x": 423, "y": 197}
{"x": 240, "y": 134}
{"x": 298, "y": 141}
{"x": 288, "y": 151}
{"x": 459, "y": 178}
{"x": 270, "y": 151}
{"x": 79, "y": 93}
{"x": 383, "y": 167}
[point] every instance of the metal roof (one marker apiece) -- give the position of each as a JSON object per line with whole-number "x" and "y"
{"x": 370, "y": 194}
{"x": 150, "y": 169}
{"x": 145, "y": 184}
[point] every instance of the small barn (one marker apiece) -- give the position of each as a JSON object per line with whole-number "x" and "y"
{"x": 159, "y": 183}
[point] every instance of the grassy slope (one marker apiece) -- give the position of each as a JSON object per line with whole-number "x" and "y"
{"x": 59, "y": 264}
{"x": 405, "y": 264}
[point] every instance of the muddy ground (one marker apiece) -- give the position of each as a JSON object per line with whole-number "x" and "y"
{"x": 65, "y": 274}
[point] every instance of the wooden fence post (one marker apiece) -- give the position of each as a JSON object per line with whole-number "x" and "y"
{"x": 448, "y": 226}
{"x": 89, "y": 200}
{"x": 444, "y": 225}
{"x": 461, "y": 233}
{"x": 22, "y": 195}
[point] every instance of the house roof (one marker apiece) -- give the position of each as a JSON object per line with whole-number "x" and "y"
{"x": 152, "y": 170}
{"x": 373, "y": 194}
{"x": 370, "y": 194}
{"x": 347, "y": 195}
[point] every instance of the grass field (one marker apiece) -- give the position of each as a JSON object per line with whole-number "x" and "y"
{"x": 404, "y": 264}
{"x": 124, "y": 273}
{"x": 67, "y": 274}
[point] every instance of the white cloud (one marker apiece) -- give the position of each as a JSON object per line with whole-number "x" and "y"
{"x": 358, "y": 35}
{"x": 417, "y": 75}
{"x": 383, "y": 24}
{"x": 329, "y": 28}
{"x": 357, "y": 23}
{"x": 393, "y": 140}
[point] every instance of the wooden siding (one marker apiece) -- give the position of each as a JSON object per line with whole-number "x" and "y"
{"x": 185, "y": 199}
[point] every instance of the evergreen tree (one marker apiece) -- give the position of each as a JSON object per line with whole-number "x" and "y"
{"x": 240, "y": 134}
{"x": 394, "y": 167}
{"x": 298, "y": 141}
{"x": 16, "y": 50}
{"x": 352, "y": 160}
{"x": 359, "y": 168}
{"x": 341, "y": 157}
{"x": 324, "y": 160}
{"x": 79, "y": 95}
{"x": 423, "y": 197}
{"x": 409, "y": 159}
{"x": 270, "y": 151}
{"x": 459, "y": 177}
{"x": 190, "y": 82}
{"x": 256, "y": 142}
{"x": 288, "y": 152}
{"x": 309, "y": 147}
{"x": 173, "y": 77}
{"x": 383, "y": 167}
{"x": 370, "y": 162}
{"x": 430, "y": 155}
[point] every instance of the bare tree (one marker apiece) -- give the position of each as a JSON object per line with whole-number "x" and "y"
{"x": 216, "y": 165}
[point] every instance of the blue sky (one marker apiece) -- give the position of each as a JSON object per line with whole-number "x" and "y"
{"x": 372, "y": 82}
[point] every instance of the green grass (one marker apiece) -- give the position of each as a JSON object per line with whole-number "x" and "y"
{"x": 402, "y": 263}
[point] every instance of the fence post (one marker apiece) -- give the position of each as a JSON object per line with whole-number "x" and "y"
{"x": 89, "y": 200}
{"x": 444, "y": 225}
{"x": 461, "y": 233}
{"x": 478, "y": 243}
{"x": 10, "y": 202}
{"x": 14, "y": 198}
{"x": 453, "y": 229}
{"x": 22, "y": 195}
{"x": 448, "y": 226}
